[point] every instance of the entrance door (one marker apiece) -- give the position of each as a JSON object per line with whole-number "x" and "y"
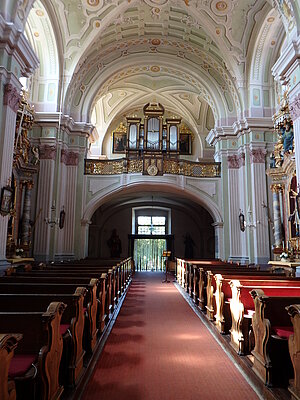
{"x": 148, "y": 254}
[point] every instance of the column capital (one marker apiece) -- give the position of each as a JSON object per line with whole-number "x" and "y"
{"x": 11, "y": 97}
{"x": 233, "y": 162}
{"x": 47, "y": 152}
{"x": 69, "y": 158}
{"x": 258, "y": 156}
{"x": 295, "y": 108}
{"x": 236, "y": 161}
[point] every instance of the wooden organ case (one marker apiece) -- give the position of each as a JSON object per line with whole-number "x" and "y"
{"x": 153, "y": 139}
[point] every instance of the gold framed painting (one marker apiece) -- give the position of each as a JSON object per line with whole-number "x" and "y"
{"x": 119, "y": 142}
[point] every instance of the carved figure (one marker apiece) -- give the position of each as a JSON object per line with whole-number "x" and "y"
{"x": 115, "y": 245}
{"x": 189, "y": 247}
{"x": 288, "y": 136}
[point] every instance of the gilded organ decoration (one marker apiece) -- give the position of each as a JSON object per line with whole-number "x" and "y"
{"x": 152, "y": 146}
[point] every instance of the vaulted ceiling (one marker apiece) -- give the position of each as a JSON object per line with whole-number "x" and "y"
{"x": 193, "y": 56}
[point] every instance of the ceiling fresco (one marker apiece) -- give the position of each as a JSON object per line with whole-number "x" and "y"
{"x": 192, "y": 55}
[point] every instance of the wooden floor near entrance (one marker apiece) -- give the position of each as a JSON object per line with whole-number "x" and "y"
{"x": 159, "y": 349}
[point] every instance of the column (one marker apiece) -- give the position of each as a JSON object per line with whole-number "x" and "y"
{"x": 276, "y": 189}
{"x": 26, "y": 230}
{"x": 219, "y": 250}
{"x": 44, "y": 202}
{"x": 259, "y": 197}
{"x": 295, "y": 114}
{"x": 11, "y": 100}
{"x": 65, "y": 236}
{"x": 234, "y": 207}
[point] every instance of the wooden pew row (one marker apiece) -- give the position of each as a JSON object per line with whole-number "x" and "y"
{"x": 71, "y": 328}
{"x": 110, "y": 289}
{"x": 97, "y": 291}
{"x": 294, "y": 349}
{"x": 189, "y": 272}
{"x": 206, "y": 284}
{"x": 90, "y": 262}
{"x": 114, "y": 285}
{"x": 242, "y": 307}
{"x": 106, "y": 279}
{"x": 272, "y": 327}
{"x": 70, "y": 277}
{"x": 38, "y": 355}
{"x": 120, "y": 275}
{"x": 8, "y": 344}
{"x": 182, "y": 268}
{"x": 126, "y": 266}
{"x": 193, "y": 271}
{"x": 217, "y": 295}
{"x": 68, "y": 286}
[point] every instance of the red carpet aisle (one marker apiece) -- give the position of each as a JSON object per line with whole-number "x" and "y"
{"x": 160, "y": 350}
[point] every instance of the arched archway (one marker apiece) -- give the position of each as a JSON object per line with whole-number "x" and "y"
{"x": 166, "y": 190}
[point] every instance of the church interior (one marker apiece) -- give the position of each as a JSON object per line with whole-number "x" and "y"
{"x": 149, "y": 199}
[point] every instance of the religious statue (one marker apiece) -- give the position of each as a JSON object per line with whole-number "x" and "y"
{"x": 189, "y": 247}
{"x": 278, "y": 152}
{"x": 115, "y": 245}
{"x": 288, "y": 136}
{"x": 272, "y": 160}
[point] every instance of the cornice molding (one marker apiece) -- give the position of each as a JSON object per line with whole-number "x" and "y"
{"x": 287, "y": 62}
{"x": 14, "y": 42}
{"x": 239, "y": 128}
{"x": 66, "y": 123}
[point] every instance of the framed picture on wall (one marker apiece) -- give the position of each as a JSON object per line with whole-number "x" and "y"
{"x": 119, "y": 142}
{"x": 6, "y": 200}
{"x": 185, "y": 143}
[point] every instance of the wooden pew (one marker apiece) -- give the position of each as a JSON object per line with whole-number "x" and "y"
{"x": 272, "y": 326}
{"x": 71, "y": 328}
{"x": 205, "y": 282}
{"x": 294, "y": 349}
{"x": 42, "y": 345}
{"x": 242, "y": 306}
{"x": 8, "y": 344}
{"x": 33, "y": 284}
{"x": 183, "y": 269}
{"x": 222, "y": 292}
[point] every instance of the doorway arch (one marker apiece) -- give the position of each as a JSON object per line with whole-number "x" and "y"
{"x": 203, "y": 195}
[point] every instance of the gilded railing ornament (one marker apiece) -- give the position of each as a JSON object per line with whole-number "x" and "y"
{"x": 173, "y": 167}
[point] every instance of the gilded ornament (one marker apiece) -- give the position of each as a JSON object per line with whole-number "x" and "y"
{"x": 221, "y": 6}
{"x": 93, "y": 3}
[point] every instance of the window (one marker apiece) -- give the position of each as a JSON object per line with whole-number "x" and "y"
{"x": 148, "y": 225}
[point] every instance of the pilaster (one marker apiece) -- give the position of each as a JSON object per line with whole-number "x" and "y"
{"x": 10, "y": 101}
{"x": 259, "y": 198}
{"x": 45, "y": 203}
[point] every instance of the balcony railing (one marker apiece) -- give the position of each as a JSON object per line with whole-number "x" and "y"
{"x": 174, "y": 167}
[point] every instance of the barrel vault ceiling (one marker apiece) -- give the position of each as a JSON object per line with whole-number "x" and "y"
{"x": 120, "y": 54}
